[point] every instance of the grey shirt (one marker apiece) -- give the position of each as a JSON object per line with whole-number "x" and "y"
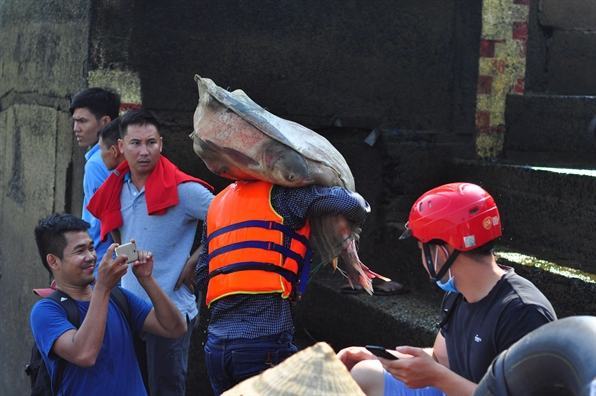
{"x": 168, "y": 236}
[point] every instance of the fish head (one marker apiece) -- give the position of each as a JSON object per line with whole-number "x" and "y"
{"x": 284, "y": 166}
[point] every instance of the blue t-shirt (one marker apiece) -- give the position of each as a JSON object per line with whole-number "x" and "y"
{"x": 116, "y": 370}
{"x": 95, "y": 174}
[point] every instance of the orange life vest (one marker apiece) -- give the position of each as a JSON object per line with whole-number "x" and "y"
{"x": 245, "y": 242}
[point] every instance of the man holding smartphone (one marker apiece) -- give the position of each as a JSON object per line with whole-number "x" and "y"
{"x": 487, "y": 307}
{"x": 98, "y": 357}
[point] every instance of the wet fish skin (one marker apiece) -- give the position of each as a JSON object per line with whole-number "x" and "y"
{"x": 286, "y": 153}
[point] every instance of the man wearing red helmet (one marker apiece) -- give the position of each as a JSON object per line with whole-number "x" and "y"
{"x": 486, "y": 308}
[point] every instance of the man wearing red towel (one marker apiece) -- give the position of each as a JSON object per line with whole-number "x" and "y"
{"x": 149, "y": 200}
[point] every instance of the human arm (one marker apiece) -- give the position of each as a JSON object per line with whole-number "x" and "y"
{"x": 351, "y": 355}
{"x": 187, "y": 275}
{"x": 82, "y": 346}
{"x": 296, "y": 204}
{"x": 439, "y": 350}
{"x": 164, "y": 319}
{"x": 197, "y": 200}
{"x": 428, "y": 367}
{"x": 95, "y": 174}
{"x": 202, "y": 266}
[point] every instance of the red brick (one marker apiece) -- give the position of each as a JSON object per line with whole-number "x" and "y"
{"x": 523, "y": 48}
{"x": 485, "y": 84}
{"x": 482, "y": 120}
{"x": 487, "y": 48}
{"x": 499, "y": 66}
{"x": 520, "y": 30}
{"x": 124, "y": 107}
{"x": 519, "y": 86}
{"x": 500, "y": 129}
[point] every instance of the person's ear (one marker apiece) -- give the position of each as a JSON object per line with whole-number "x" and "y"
{"x": 160, "y": 143}
{"x": 104, "y": 120}
{"x": 53, "y": 261}
{"x": 445, "y": 250}
{"x": 121, "y": 146}
{"x": 114, "y": 150}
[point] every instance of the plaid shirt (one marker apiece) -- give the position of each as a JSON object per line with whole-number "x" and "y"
{"x": 252, "y": 316}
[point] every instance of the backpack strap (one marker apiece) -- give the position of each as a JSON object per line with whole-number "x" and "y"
{"x": 447, "y": 311}
{"x": 73, "y": 316}
{"x": 118, "y": 296}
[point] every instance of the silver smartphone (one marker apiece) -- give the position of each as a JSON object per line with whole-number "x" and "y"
{"x": 129, "y": 250}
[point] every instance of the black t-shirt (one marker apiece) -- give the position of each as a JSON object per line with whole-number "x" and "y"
{"x": 476, "y": 333}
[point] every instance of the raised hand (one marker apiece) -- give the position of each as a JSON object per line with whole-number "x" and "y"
{"x": 417, "y": 371}
{"x": 110, "y": 270}
{"x": 143, "y": 267}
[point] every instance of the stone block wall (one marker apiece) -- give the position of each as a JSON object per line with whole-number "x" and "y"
{"x": 44, "y": 55}
{"x": 561, "y": 46}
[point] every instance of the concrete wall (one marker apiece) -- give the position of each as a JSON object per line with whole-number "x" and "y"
{"x": 335, "y": 63}
{"x": 44, "y": 53}
{"x": 561, "y": 56}
{"x": 551, "y": 123}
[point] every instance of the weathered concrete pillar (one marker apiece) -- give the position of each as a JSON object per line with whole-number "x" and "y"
{"x": 44, "y": 48}
{"x": 501, "y": 69}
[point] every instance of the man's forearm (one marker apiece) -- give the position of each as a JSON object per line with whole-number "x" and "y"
{"x": 84, "y": 346}
{"x": 454, "y": 385}
{"x": 166, "y": 312}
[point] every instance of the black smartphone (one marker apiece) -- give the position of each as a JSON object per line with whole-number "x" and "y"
{"x": 381, "y": 352}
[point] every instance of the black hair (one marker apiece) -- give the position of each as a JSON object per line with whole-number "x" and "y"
{"x": 111, "y": 132}
{"x": 137, "y": 117}
{"x": 49, "y": 234}
{"x": 481, "y": 251}
{"x": 99, "y": 101}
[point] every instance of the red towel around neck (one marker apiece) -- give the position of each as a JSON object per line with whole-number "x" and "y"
{"x": 161, "y": 193}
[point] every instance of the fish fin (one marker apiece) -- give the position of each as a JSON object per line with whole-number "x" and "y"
{"x": 334, "y": 263}
{"x": 372, "y": 274}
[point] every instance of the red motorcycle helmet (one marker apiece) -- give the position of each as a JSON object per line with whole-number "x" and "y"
{"x": 463, "y": 215}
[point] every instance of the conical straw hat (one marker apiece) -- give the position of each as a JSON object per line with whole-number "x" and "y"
{"x": 314, "y": 371}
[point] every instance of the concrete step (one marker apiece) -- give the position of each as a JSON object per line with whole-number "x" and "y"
{"x": 346, "y": 319}
{"x": 325, "y": 314}
{"x": 569, "y": 290}
{"x": 550, "y": 129}
{"x": 546, "y": 212}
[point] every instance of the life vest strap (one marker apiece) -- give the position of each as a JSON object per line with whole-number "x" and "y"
{"x": 259, "y": 245}
{"x": 255, "y": 265}
{"x": 269, "y": 225}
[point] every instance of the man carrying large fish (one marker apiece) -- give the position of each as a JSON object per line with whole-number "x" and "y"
{"x": 292, "y": 190}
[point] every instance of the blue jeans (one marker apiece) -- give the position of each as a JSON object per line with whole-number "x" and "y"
{"x": 167, "y": 362}
{"x": 230, "y": 361}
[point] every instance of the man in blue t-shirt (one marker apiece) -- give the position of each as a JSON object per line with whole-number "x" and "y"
{"x": 91, "y": 110}
{"x": 99, "y": 355}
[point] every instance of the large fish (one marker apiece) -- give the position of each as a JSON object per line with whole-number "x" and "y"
{"x": 239, "y": 140}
